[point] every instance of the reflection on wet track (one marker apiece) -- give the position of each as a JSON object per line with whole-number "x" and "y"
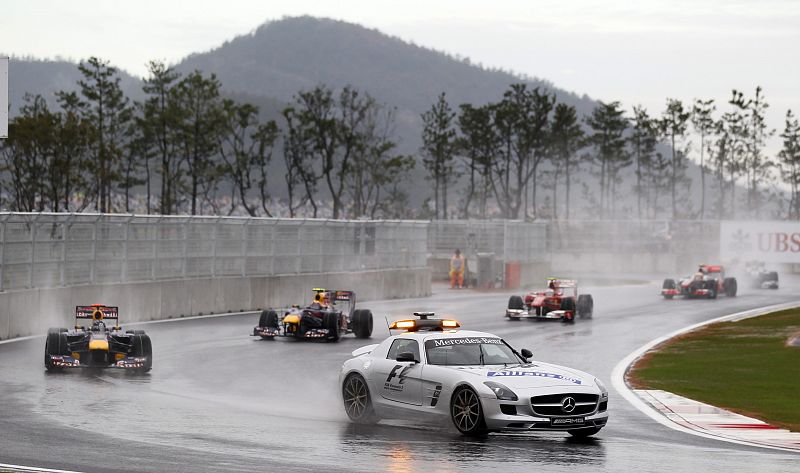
{"x": 219, "y": 400}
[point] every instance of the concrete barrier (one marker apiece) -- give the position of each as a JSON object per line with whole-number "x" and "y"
{"x": 32, "y": 311}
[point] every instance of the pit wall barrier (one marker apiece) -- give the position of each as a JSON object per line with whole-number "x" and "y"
{"x": 33, "y": 311}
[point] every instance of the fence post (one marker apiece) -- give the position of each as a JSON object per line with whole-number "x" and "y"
{"x": 214, "y": 248}
{"x": 33, "y": 253}
{"x": 184, "y": 250}
{"x": 244, "y": 246}
{"x": 3, "y": 257}
{"x": 124, "y": 266}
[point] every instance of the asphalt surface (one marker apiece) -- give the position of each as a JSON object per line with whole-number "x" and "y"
{"x": 219, "y": 400}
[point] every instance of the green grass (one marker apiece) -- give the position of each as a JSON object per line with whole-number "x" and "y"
{"x": 742, "y": 366}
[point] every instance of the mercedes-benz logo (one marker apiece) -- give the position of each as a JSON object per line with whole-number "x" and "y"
{"x": 568, "y": 404}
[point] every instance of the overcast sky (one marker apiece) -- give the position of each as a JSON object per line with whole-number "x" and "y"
{"x": 638, "y": 52}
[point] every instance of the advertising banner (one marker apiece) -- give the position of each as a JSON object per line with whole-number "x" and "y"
{"x": 767, "y": 241}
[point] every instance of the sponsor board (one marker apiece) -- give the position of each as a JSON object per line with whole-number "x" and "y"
{"x": 767, "y": 241}
{"x": 539, "y": 374}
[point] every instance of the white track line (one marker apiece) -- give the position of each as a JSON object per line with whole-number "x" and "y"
{"x": 177, "y": 319}
{"x": 27, "y": 469}
{"x": 618, "y": 374}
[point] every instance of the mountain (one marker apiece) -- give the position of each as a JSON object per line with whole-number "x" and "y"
{"x": 282, "y": 57}
{"x": 46, "y": 77}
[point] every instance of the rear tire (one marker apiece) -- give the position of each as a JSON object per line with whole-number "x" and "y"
{"x": 357, "y": 401}
{"x": 730, "y": 286}
{"x": 331, "y": 322}
{"x": 583, "y": 433}
{"x": 516, "y": 303}
{"x": 466, "y": 412}
{"x": 362, "y": 323}
{"x": 585, "y": 306}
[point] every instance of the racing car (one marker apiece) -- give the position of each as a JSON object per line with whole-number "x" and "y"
{"x": 759, "y": 277}
{"x": 433, "y": 372}
{"x": 98, "y": 345}
{"x": 708, "y": 282}
{"x": 321, "y": 320}
{"x": 560, "y": 301}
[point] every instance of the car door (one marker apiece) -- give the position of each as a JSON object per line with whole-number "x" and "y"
{"x": 400, "y": 381}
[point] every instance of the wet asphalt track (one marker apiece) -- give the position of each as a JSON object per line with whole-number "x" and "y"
{"x": 219, "y": 400}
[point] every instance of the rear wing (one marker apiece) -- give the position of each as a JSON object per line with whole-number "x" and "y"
{"x": 561, "y": 283}
{"x": 96, "y": 312}
{"x": 344, "y": 295}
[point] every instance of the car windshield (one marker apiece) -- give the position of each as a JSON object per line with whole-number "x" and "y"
{"x": 469, "y": 351}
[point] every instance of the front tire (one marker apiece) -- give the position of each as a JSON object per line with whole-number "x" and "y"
{"x": 362, "y": 323}
{"x": 670, "y": 285}
{"x": 467, "y": 413}
{"x": 143, "y": 347}
{"x": 357, "y": 401}
{"x": 56, "y": 345}
{"x": 568, "y": 304}
{"x": 516, "y": 303}
{"x": 585, "y": 306}
{"x": 331, "y": 322}
{"x": 268, "y": 318}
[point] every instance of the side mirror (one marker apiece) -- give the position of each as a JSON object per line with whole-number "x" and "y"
{"x": 526, "y": 354}
{"x": 406, "y": 356}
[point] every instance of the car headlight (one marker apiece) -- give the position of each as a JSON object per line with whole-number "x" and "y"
{"x": 502, "y": 392}
{"x": 603, "y": 390}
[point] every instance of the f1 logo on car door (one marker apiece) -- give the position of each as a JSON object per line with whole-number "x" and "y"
{"x": 400, "y": 380}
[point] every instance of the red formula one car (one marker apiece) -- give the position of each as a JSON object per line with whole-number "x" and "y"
{"x": 321, "y": 320}
{"x": 708, "y": 282}
{"x": 560, "y": 301}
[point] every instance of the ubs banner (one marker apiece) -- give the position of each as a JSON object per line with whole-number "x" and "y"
{"x": 767, "y": 241}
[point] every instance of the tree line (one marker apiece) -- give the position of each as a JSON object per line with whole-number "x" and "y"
{"x": 512, "y": 156}
{"x": 186, "y": 148}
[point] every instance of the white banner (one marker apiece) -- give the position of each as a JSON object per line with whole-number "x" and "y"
{"x": 3, "y": 97}
{"x": 767, "y": 241}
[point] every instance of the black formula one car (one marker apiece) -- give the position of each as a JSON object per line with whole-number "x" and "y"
{"x": 98, "y": 345}
{"x": 321, "y": 320}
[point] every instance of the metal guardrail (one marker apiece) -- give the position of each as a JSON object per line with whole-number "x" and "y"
{"x": 40, "y": 250}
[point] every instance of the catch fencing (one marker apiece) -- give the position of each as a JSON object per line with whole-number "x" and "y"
{"x": 508, "y": 240}
{"x": 40, "y": 250}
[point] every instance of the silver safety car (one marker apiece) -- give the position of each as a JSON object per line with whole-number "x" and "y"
{"x": 477, "y": 380}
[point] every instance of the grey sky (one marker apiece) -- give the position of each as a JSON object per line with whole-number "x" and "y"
{"x": 635, "y": 52}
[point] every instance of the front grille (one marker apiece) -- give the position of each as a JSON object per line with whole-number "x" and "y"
{"x": 552, "y": 404}
{"x": 508, "y": 409}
